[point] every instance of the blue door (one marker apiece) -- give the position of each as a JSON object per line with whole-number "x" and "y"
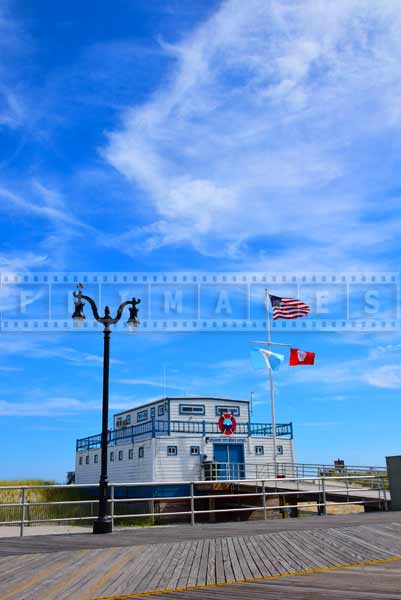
{"x": 229, "y": 461}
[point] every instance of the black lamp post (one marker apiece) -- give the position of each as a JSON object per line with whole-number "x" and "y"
{"x": 103, "y": 523}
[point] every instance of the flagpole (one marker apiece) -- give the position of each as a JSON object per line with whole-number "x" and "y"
{"x": 273, "y": 413}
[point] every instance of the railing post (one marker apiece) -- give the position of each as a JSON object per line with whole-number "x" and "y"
{"x": 192, "y": 504}
{"x": 203, "y": 428}
{"x": 324, "y": 507}
{"x": 112, "y": 504}
{"x": 264, "y": 500}
{"x": 384, "y": 494}
{"x": 21, "y": 531}
{"x": 153, "y": 427}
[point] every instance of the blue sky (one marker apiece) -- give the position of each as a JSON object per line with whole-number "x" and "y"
{"x": 168, "y": 136}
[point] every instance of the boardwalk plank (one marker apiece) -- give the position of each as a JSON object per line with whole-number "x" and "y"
{"x": 220, "y": 574}
{"x": 211, "y": 575}
{"x": 204, "y": 562}
{"x": 228, "y": 570}
{"x": 193, "y": 574}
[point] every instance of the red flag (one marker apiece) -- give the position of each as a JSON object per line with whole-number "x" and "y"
{"x": 300, "y": 357}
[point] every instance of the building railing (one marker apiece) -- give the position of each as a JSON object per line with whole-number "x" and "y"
{"x": 214, "y": 471}
{"x": 156, "y": 427}
{"x": 241, "y": 495}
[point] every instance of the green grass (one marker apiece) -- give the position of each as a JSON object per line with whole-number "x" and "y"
{"x": 11, "y": 496}
{"x": 13, "y": 513}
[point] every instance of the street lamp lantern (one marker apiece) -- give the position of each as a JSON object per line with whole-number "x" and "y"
{"x": 78, "y": 316}
{"x": 103, "y": 523}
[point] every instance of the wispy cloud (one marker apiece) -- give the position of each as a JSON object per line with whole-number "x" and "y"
{"x": 12, "y": 41}
{"x": 261, "y": 132}
{"x": 49, "y": 348}
{"x": 157, "y": 383}
{"x": 41, "y": 404}
{"x": 386, "y": 377}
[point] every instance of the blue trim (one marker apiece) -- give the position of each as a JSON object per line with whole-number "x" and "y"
{"x": 197, "y": 427}
{"x": 168, "y": 414}
{"x": 182, "y": 412}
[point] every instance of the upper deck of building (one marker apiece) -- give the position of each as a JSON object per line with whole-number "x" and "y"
{"x": 183, "y": 416}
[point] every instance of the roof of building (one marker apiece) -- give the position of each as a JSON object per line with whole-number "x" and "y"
{"x": 185, "y": 398}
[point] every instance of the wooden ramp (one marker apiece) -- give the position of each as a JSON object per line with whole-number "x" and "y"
{"x": 189, "y": 562}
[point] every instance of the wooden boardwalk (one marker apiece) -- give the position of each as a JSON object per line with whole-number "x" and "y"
{"x": 375, "y": 582}
{"x": 266, "y": 554}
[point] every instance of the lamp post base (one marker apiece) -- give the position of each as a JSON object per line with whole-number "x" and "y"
{"x": 104, "y": 525}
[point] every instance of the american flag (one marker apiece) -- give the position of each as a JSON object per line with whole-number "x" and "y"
{"x": 288, "y": 308}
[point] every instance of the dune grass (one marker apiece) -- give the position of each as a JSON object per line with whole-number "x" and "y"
{"x": 35, "y": 511}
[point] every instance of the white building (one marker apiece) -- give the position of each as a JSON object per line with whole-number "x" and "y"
{"x": 184, "y": 439}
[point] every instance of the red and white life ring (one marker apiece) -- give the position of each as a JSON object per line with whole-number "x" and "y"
{"x": 227, "y": 424}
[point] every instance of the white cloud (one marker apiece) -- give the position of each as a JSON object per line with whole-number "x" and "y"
{"x": 40, "y": 404}
{"x": 12, "y": 107}
{"x": 386, "y": 376}
{"x": 263, "y": 130}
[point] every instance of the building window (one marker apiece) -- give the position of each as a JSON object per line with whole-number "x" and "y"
{"x": 87, "y": 460}
{"x": 120, "y": 455}
{"x": 233, "y": 410}
{"x": 95, "y": 458}
{"x": 141, "y": 452}
{"x": 142, "y": 416}
{"x": 280, "y": 450}
{"x": 119, "y": 421}
{"x": 128, "y": 420}
{"x": 160, "y": 410}
{"x": 192, "y": 409}
{"x": 194, "y": 451}
{"x": 259, "y": 450}
{"x": 80, "y": 460}
{"x": 130, "y": 454}
{"x": 111, "y": 456}
{"x": 172, "y": 451}
{"x": 152, "y": 412}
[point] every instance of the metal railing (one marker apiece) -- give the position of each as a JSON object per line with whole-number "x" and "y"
{"x": 155, "y": 427}
{"x": 240, "y": 495}
{"x": 215, "y": 471}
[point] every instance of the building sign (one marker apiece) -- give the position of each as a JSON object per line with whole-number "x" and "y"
{"x": 226, "y": 440}
{"x": 227, "y": 424}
